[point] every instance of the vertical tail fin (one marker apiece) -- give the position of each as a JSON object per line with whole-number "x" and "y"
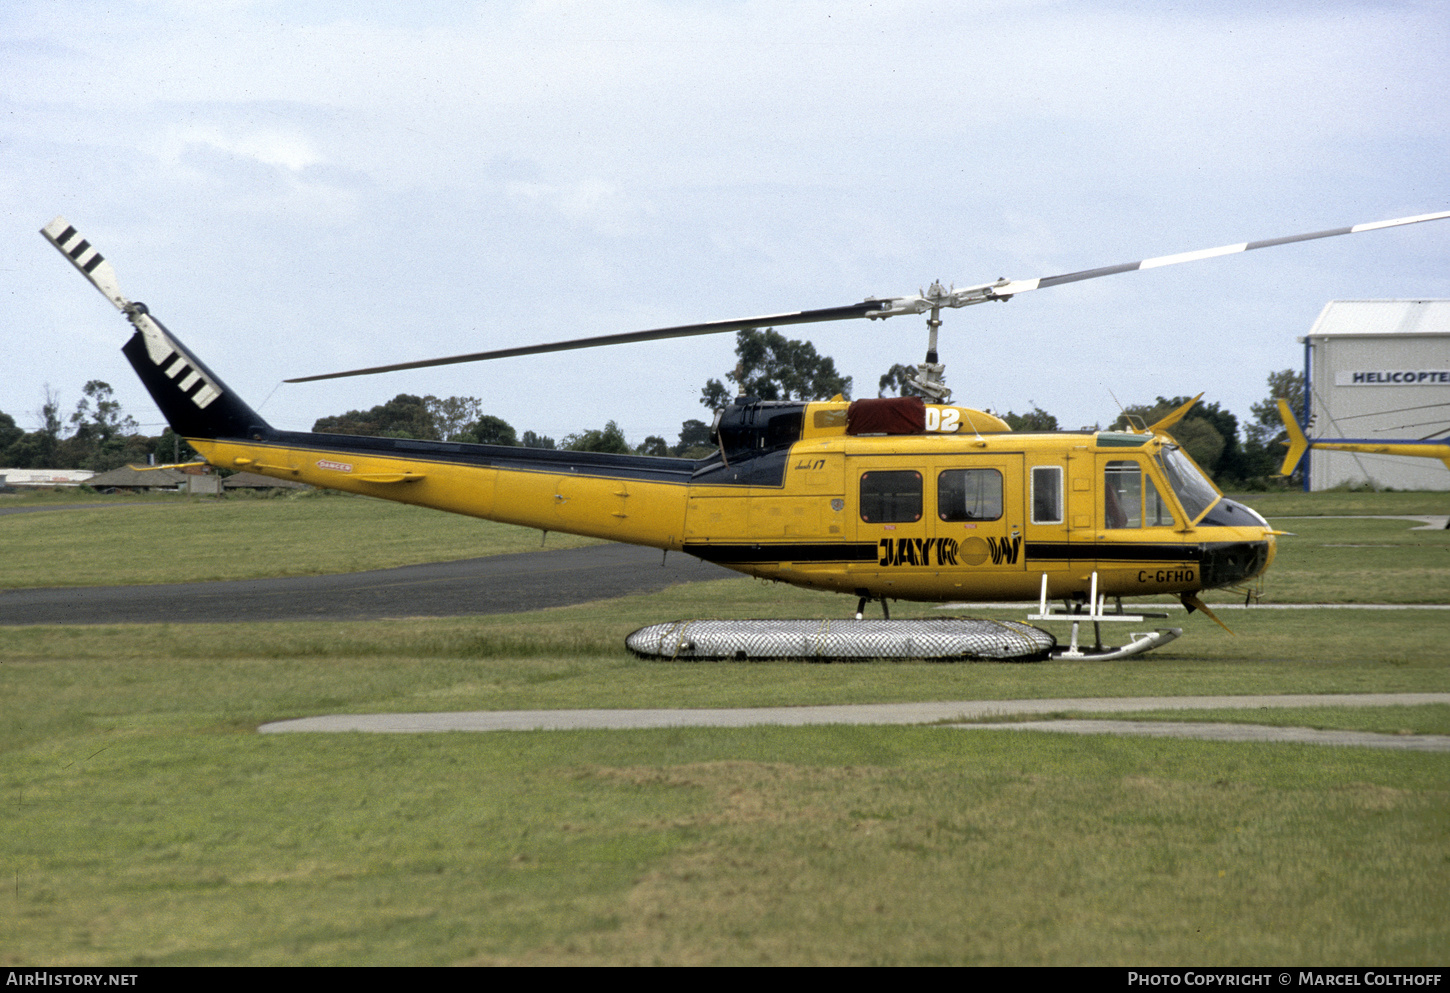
{"x": 194, "y": 401}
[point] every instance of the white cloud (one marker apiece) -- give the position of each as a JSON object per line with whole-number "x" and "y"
{"x": 388, "y": 183}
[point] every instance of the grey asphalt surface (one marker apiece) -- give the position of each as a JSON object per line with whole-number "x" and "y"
{"x": 498, "y": 584}
{"x": 954, "y": 714}
{"x": 5, "y": 511}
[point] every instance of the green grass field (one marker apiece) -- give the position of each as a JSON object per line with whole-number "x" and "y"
{"x": 124, "y": 539}
{"x": 146, "y": 822}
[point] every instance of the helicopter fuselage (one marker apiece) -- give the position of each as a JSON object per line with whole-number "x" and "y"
{"x": 957, "y": 507}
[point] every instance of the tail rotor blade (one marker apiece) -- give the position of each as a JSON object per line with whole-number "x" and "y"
{"x": 83, "y": 255}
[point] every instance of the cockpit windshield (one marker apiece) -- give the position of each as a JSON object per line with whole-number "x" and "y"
{"x": 1193, "y": 490}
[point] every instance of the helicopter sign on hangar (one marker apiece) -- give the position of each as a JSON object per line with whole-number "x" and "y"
{"x": 1379, "y": 375}
{"x": 879, "y": 499}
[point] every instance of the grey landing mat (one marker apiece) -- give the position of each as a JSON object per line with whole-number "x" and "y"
{"x": 951, "y": 712}
{"x": 498, "y": 584}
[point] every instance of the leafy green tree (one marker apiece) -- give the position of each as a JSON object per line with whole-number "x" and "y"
{"x": 489, "y": 430}
{"x": 608, "y": 439}
{"x": 99, "y": 413}
{"x": 31, "y": 451}
{"x": 50, "y": 424}
{"x": 715, "y": 395}
{"x": 654, "y": 445}
{"x": 531, "y": 440}
{"x": 771, "y": 366}
{"x": 404, "y": 416}
{"x": 897, "y": 382}
{"x": 424, "y": 418}
{"x": 39, "y": 449}
{"x": 694, "y": 440}
{"x": 1035, "y": 419}
{"x": 102, "y": 434}
{"x": 10, "y": 433}
{"x": 170, "y": 447}
{"x": 1263, "y": 451}
{"x": 1285, "y": 384}
{"x": 1207, "y": 433}
{"x": 456, "y": 418}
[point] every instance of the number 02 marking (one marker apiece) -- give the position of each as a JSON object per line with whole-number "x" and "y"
{"x": 944, "y": 419}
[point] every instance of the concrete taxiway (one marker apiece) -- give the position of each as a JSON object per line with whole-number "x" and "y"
{"x": 954, "y": 713}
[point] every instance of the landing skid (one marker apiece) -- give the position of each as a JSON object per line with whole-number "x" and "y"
{"x": 1097, "y": 614}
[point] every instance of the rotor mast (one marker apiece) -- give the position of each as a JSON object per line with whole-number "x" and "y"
{"x": 930, "y": 375}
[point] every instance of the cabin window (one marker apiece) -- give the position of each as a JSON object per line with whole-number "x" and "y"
{"x": 1046, "y": 494}
{"x": 1130, "y": 500}
{"x": 969, "y": 495}
{"x": 890, "y": 497}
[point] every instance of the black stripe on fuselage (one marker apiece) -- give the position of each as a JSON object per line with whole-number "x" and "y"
{"x": 825, "y": 552}
{"x": 1105, "y": 552}
{"x": 859, "y": 552}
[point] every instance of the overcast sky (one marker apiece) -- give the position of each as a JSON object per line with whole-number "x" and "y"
{"x": 300, "y": 187}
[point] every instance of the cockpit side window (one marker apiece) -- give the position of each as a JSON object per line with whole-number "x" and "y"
{"x": 1193, "y": 490}
{"x": 1130, "y": 499}
{"x": 892, "y": 496}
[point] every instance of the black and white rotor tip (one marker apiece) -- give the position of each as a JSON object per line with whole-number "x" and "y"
{"x": 180, "y": 372}
{"x": 1008, "y": 288}
{"x": 83, "y": 255}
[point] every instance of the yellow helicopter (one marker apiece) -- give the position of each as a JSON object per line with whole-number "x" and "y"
{"x": 909, "y": 498}
{"x": 1299, "y": 444}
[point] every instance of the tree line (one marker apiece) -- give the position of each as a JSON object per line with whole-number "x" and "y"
{"x": 462, "y": 419}
{"x": 98, "y": 435}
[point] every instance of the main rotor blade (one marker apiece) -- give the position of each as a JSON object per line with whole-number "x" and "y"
{"x": 682, "y": 331}
{"x": 1023, "y": 285}
{"x": 936, "y": 297}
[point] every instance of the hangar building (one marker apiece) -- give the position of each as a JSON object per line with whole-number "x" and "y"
{"x": 1379, "y": 369}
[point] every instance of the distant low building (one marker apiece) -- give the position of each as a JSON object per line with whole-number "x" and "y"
{"x": 44, "y": 478}
{"x": 1379, "y": 369}
{"x": 131, "y": 480}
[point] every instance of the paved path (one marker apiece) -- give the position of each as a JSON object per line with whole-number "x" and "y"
{"x": 1428, "y": 522}
{"x": 1233, "y": 732}
{"x": 957, "y": 712}
{"x": 498, "y": 584}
